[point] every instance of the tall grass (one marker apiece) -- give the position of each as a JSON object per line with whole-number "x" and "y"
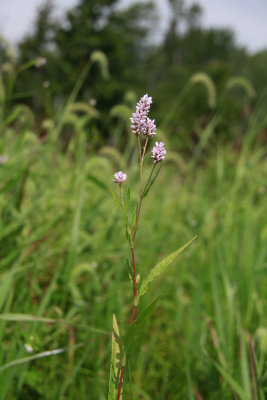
{"x": 63, "y": 271}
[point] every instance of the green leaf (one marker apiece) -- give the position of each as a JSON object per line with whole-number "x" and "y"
{"x": 160, "y": 267}
{"x": 205, "y": 136}
{"x": 128, "y": 236}
{"x": 130, "y": 271}
{"x": 116, "y": 361}
{"x": 151, "y": 183}
{"x": 134, "y": 216}
{"x": 37, "y": 356}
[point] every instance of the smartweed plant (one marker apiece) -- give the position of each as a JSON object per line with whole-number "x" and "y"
{"x": 144, "y": 129}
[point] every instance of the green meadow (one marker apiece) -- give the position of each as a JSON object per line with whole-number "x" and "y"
{"x": 67, "y": 274}
{"x": 64, "y": 269}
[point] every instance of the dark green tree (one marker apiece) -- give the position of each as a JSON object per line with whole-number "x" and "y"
{"x": 121, "y": 33}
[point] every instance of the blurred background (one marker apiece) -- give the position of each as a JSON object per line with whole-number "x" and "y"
{"x": 71, "y": 74}
{"x": 154, "y": 47}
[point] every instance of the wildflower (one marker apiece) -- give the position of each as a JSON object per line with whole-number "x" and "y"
{"x": 28, "y": 348}
{"x": 4, "y": 159}
{"x": 40, "y": 61}
{"x": 150, "y": 128}
{"x": 120, "y": 177}
{"x": 139, "y": 118}
{"x": 46, "y": 84}
{"x": 159, "y": 152}
{"x": 262, "y": 190}
{"x": 92, "y": 102}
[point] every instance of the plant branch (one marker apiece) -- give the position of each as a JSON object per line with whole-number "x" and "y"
{"x": 122, "y": 201}
{"x": 132, "y": 317}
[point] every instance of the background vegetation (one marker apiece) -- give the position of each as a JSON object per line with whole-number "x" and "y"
{"x": 63, "y": 272}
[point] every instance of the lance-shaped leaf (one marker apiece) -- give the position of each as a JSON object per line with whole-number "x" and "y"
{"x": 116, "y": 361}
{"x": 160, "y": 267}
{"x": 147, "y": 189}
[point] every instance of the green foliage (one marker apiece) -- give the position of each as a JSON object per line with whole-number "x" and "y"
{"x": 63, "y": 273}
{"x": 160, "y": 267}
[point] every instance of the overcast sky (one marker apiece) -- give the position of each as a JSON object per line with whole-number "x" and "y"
{"x": 248, "y": 18}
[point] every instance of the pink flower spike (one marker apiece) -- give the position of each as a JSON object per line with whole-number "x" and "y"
{"x": 138, "y": 119}
{"x": 159, "y": 152}
{"x": 150, "y": 128}
{"x": 119, "y": 177}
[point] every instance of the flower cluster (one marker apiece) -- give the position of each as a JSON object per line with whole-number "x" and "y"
{"x": 40, "y": 61}
{"x": 139, "y": 121}
{"x": 159, "y": 152}
{"x": 141, "y": 124}
{"x": 119, "y": 177}
{"x": 3, "y": 159}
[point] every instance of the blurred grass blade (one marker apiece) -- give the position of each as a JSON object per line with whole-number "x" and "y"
{"x": 205, "y": 136}
{"x": 255, "y": 387}
{"x": 231, "y": 381}
{"x": 116, "y": 358}
{"x": 101, "y": 184}
{"x": 160, "y": 267}
{"x": 31, "y": 358}
{"x": 17, "y": 317}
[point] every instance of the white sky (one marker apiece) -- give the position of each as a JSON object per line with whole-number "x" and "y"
{"x": 248, "y": 18}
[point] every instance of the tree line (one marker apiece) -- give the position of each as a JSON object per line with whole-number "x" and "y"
{"x": 189, "y": 72}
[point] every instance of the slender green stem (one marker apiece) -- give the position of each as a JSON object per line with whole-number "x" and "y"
{"x": 122, "y": 201}
{"x": 135, "y": 302}
{"x": 150, "y": 176}
{"x": 140, "y": 203}
{"x": 140, "y": 166}
{"x": 137, "y": 219}
{"x": 144, "y": 150}
{"x": 141, "y": 160}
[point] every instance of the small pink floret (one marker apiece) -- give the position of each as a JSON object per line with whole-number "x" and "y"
{"x": 119, "y": 177}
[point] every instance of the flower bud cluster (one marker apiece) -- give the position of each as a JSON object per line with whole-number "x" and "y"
{"x": 158, "y": 152}
{"x": 40, "y": 61}
{"x": 119, "y": 177}
{"x": 140, "y": 124}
